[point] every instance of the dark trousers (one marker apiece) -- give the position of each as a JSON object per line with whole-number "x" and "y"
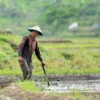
{"x": 26, "y": 69}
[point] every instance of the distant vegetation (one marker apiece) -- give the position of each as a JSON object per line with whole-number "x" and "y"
{"x": 53, "y": 16}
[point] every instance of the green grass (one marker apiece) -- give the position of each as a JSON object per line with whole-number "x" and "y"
{"x": 8, "y": 72}
{"x": 70, "y": 46}
{"x": 76, "y": 43}
{"x": 6, "y": 37}
{"x": 79, "y": 57}
{"x": 28, "y": 86}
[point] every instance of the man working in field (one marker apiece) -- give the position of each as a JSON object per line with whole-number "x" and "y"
{"x": 26, "y": 48}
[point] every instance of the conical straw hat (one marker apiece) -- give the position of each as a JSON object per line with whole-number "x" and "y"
{"x": 36, "y": 28}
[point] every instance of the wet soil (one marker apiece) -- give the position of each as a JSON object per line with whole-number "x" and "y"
{"x": 13, "y": 92}
{"x": 61, "y": 83}
{"x": 4, "y": 80}
{"x": 58, "y": 83}
{"x": 70, "y": 83}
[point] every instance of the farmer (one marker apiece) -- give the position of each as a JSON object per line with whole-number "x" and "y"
{"x": 26, "y": 48}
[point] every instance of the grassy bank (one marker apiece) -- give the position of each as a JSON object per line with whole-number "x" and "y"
{"x": 81, "y": 56}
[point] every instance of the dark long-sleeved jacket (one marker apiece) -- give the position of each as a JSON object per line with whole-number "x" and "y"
{"x": 26, "y": 48}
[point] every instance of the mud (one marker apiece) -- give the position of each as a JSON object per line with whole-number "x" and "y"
{"x": 13, "y": 92}
{"x": 71, "y": 86}
{"x": 61, "y": 83}
{"x": 87, "y": 85}
{"x": 70, "y": 83}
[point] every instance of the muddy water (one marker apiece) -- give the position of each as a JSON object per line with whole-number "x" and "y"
{"x": 61, "y": 83}
{"x": 71, "y": 86}
{"x": 71, "y": 83}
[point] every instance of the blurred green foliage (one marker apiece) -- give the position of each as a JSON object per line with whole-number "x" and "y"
{"x": 53, "y": 16}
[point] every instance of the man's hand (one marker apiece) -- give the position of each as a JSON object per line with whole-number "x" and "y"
{"x": 20, "y": 59}
{"x": 42, "y": 63}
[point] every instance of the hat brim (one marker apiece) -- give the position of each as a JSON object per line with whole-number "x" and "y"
{"x": 40, "y": 33}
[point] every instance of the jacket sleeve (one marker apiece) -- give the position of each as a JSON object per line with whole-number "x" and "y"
{"x": 20, "y": 48}
{"x": 37, "y": 52}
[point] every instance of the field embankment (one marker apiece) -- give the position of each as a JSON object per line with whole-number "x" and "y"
{"x": 80, "y": 56}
